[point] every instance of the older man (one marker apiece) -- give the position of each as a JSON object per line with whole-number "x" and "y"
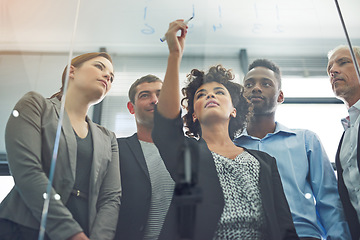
{"x": 346, "y": 86}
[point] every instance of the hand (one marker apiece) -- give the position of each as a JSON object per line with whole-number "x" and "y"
{"x": 176, "y": 44}
{"x": 79, "y": 236}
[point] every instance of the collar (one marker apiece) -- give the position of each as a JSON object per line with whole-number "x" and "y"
{"x": 346, "y": 122}
{"x": 279, "y": 128}
{"x": 354, "y": 112}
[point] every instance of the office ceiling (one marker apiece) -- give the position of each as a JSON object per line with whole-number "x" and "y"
{"x": 220, "y": 27}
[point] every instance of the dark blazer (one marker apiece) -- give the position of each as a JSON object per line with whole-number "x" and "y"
{"x": 169, "y": 138}
{"x": 350, "y": 212}
{"x": 136, "y": 188}
{"x": 29, "y": 142}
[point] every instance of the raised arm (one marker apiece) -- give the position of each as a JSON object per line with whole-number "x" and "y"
{"x": 169, "y": 99}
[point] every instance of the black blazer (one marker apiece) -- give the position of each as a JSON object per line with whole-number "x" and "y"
{"x": 169, "y": 138}
{"x": 350, "y": 213}
{"x": 136, "y": 190}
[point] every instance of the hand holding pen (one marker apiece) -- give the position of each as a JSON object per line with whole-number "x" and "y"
{"x": 176, "y": 43}
{"x": 163, "y": 39}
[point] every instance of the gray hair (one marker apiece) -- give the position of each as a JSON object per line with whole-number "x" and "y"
{"x": 355, "y": 48}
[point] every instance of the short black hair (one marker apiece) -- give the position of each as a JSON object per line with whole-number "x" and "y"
{"x": 148, "y": 78}
{"x": 269, "y": 65}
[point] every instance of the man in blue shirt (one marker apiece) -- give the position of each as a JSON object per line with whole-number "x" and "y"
{"x": 346, "y": 86}
{"x": 308, "y": 178}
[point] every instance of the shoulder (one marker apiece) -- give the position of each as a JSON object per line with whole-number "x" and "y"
{"x": 261, "y": 156}
{"x": 303, "y": 132}
{"x": 103, "y": 130}
{"x": 257, "y": 153}
{"x": 305, "y": 135}
{"x": 308, "y": 136}
{"x": 32, "y": 104}
{"x": 122, "y": 140}
{"x": 33, "y": 95}
{"x": 32, "y": 98}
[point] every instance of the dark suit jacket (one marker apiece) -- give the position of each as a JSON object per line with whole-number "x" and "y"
{"x": 169, "y": 138}
{"x": 136, "y": 189}
{"x": 29, "y": 144}
{"x": 350, "y": 212}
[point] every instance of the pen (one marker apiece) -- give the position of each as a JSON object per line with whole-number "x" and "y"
{"x": 163, "y": 39}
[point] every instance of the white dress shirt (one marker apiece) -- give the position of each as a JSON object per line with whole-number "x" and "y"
{"x": 348, "y": 156}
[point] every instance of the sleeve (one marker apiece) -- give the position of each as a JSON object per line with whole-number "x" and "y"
{"x": 168, "y": 137}
{"x": 285, "y": 221}
{"x": 324, "y": 185}
{"x": 108, "y": 203}
{"x": 23, "y": 139}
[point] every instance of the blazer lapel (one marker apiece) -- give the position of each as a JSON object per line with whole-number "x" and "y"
{"x": 101, "y": 148}
{"x": 135, "y": 147}
{"x": 69, "y": 136}
{"x": 337, "y": 156}
{"x": 265, "y": 187}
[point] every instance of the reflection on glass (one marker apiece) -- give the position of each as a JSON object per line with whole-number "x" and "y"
{"x": 6, "y": 184}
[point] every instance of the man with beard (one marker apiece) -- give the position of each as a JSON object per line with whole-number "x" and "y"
{"x": 308, "y": 178}
{"x": 147, "y": 187}
{"x": 346, "y": 86}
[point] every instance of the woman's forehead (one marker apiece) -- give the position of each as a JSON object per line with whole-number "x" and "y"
{"x": 211, "y": 86}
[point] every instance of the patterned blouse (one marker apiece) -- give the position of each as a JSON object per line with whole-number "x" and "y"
{"x": 243, "y": 215}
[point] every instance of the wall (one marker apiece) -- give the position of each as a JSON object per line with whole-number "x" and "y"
{"x": 22, "y": 73}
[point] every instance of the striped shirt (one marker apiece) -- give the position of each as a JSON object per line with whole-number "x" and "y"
{"x": 162, "y": 188}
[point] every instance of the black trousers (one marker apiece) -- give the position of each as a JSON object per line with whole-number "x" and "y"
{"x": 12, "y": 231}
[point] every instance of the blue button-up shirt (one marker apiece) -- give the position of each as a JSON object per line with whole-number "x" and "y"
{"x": 308, "y": 179}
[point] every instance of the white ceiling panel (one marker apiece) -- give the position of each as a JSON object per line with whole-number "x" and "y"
{"x": 220, "y": 27}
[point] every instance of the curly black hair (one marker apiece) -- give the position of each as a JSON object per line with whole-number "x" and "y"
{"x": 224, "y": 76}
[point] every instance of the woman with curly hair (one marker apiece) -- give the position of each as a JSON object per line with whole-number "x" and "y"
{"x": 241, "y": 191}
{"x": 222, "y": 76}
